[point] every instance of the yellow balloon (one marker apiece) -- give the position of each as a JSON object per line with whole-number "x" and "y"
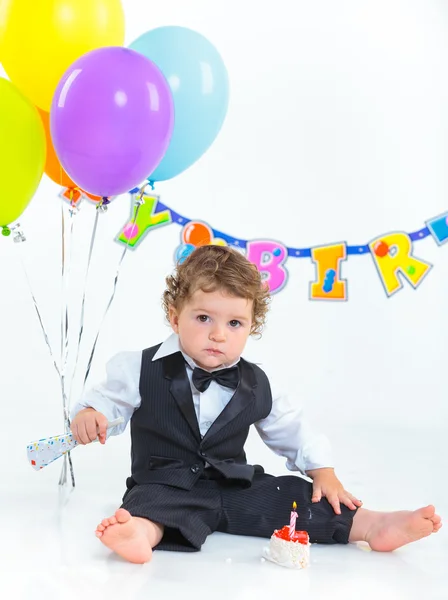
{"x": 218, "y": 242}
{"x": 4, "y": 5}
{"x": 42, "y": 38}
{"x": 22, "y": 152}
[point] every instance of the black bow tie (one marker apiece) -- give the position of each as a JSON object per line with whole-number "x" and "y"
{"x": 226, "y": 377}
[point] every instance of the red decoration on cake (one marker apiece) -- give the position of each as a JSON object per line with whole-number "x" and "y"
{"x": 298, "y": 536}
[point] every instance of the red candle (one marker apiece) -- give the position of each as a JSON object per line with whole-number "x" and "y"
{"x": 292, "y": 521}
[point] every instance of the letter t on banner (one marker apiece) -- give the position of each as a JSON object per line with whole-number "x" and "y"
{"x": 392, "y": 255}
{"x": 147, "y": 218}
{"x": 438, "y": 227}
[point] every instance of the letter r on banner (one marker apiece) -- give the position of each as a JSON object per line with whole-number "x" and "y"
{"x": 392, "y": 255}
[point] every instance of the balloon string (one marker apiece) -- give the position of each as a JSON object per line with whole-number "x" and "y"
{"x": 65, "y": 277}
{"x": 36, "y": 306}
{"x": 86, "y": 277}
{"x": 19, "y": 237}
{"x": 139, "y": 202}
{"x": 64, "y": 309}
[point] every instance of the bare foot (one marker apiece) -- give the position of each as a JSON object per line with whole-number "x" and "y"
{"x": 131, "y": 537}
{"x": 389, "y": 531}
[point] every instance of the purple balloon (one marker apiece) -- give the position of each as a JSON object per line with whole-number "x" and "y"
{"x": 112, "y": 118}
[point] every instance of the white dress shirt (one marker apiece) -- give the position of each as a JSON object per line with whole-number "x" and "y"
{"x": 285, "y": 430}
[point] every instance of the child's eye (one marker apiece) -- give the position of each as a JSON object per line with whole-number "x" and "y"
{"x": 234, "y": 323}
{"x": 203, "y": 318}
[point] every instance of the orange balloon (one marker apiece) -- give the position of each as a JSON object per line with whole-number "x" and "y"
{"x": 197, "y": 234}
{"x": 53, "y": 167}
{"x": 92, "y": 197}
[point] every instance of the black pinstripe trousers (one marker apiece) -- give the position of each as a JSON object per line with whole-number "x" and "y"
{"x": 189, "y": 516}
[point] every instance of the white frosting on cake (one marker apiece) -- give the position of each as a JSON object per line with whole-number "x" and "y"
{"x": 293, "y": 555}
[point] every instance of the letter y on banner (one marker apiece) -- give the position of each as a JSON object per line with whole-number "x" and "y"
{"x": 135, "y": 230}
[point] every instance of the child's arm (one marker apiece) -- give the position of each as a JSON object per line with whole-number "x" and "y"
{"x": 88, "y": 425}
{"x": 326, "y": 484}
{"x": 118, "y": 395}
{"x": 287, "y": 432}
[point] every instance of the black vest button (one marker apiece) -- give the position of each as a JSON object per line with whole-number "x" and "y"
{"x": 194, "y": 469}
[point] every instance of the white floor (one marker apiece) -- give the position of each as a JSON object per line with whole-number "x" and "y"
{"x": 48, "y": 549}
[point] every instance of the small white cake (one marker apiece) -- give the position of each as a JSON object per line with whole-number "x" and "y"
{"x": 292, "y": 553}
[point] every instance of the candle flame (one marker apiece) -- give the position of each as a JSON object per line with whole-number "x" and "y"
{"x": 294, "y": 505}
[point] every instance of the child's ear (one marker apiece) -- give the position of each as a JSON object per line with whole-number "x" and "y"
{"x": 174, "y": 319}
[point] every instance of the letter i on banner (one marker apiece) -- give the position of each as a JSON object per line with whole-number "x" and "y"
{"x": 269, "y": 258}
{"x": 147, "y": 218}
{"x": 392, "y": 255}
{"x": 328, "y": 284}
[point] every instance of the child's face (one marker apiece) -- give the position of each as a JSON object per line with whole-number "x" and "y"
{"x": 213, "y": 327}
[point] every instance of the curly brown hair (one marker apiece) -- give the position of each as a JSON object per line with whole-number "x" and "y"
{"x": 211, "y": 268}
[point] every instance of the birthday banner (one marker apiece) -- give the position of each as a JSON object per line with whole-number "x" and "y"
{"x": 392, "y": 253}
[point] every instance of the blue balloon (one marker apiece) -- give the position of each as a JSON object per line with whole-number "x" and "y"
{"x": 199, "y": 83}
{"x": 183, "y": 252}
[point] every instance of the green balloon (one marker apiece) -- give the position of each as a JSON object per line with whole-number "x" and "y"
{"x": 22, "y": 152}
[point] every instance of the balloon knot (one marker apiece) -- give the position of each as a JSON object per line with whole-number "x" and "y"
{"x": 6, "y": 231}
{"x": 102, "y": 204}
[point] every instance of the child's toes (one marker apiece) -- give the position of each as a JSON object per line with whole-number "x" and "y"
{"x": 105, "y": 522}
{"x": 113, "y": 520}
{"x": 100, "y": 527}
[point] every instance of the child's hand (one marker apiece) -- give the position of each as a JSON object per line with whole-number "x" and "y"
{"x": 326, "y": 484}
{"x": 88, "y": 425}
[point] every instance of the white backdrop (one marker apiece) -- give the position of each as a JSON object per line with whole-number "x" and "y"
{"x": 337, "y": 130}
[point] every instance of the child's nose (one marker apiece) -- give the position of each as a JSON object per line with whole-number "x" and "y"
{"x": 217, "y": 335}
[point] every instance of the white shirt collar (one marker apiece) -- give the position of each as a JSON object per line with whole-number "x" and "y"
{"x": 172, "y": 345}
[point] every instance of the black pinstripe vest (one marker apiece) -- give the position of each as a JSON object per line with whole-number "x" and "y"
{"x": 166, "y": 443}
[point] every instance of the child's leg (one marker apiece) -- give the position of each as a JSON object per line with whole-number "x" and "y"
{"x": 266, "y": 506}
{"x": 133, "y": 538}
{"x": 169, "y": 518}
